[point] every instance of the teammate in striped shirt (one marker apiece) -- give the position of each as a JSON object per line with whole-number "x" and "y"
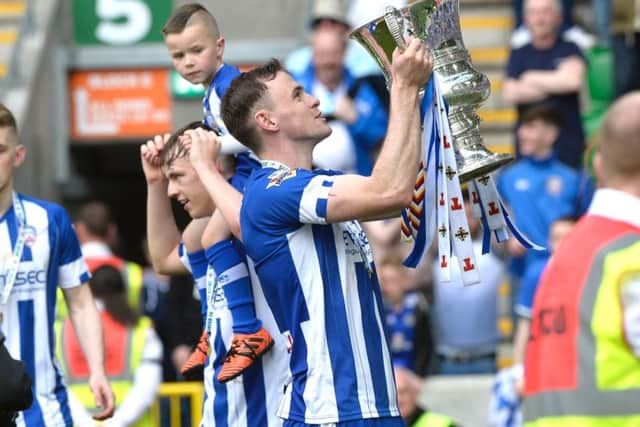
{"x": 39, "y": 234}
{"x": 251, "y": 399}
{"x": 313, "y": 259}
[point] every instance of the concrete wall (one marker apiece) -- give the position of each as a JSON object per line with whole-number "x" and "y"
{"x": 464, "y": 398}
{"x": 41, "y": 114}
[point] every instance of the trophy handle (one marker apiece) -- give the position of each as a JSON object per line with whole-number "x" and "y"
{"x": 392, "y": 19}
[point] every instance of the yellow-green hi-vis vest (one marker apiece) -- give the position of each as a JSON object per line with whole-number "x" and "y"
{"x": 132, "y": 273}
{"x": 432, "y": 419}
{"x": 603, "y": 388}
{"x": 125, "y": 347}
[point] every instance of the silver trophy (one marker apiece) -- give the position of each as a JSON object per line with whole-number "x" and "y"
{"x": 437, "y": 22}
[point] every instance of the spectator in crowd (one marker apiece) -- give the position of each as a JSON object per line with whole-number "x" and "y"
{"x": 37, "y": 235}
{"x": 173, "y": 305}
{"x": 583, "y": 356}
{"x": 466, "y": 317}
{"x": 133, "y": 356}
{"x": 625, "y": 43}
{"x": 340, "y": 16}
{"x": 155, "y": 287}
{"x": 353, "y": 110}
{"x": 409, "y": 388}
{"x": 182, "y": 324}
{"x": 407, "y": 312}
{"x": 570, "y": 31}
{"x": 538, "y": 188}
{"x": 549, "y": 71}
{"x": 179, "y": 329}
{"x": 96, "y": 233}
{"x": 524, "y": 302}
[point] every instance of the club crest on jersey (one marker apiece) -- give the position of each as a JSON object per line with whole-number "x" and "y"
{"x": 554, "y": 185}
{"x": 279, "y": 176}
{"x": 30, "y": 235}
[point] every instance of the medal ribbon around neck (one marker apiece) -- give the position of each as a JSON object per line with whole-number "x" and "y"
{"x": 14, "y": 262}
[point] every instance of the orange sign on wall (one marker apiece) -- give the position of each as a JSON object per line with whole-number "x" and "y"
{"x": 119, "y": 104}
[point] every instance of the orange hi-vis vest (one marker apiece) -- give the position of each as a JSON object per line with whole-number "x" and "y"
{"x": 131, "y": 271}
{"x": 579, "y": 370}
{"x": 122, "y": 355}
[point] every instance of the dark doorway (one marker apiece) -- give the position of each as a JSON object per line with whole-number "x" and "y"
{"x": 112, "y": 173}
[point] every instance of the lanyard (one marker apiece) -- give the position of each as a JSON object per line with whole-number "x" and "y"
{"x": 14, "y": 262}
{"x": 211, "y": 291}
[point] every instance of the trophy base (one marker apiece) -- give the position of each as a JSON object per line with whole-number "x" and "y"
{"x": 484, "y": 166}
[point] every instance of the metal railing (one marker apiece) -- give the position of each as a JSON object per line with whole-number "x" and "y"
{"x": 175, "y": 392}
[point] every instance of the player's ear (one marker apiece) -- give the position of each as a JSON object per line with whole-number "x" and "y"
{"x": 598, "y": 167}
{"x": 220, "y": 49}
{"x": 265, "y": 120}
{"x": 20, "y": 154}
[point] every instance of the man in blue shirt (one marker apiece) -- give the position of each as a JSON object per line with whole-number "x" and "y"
{"x": 352, "y": 108}
{"x": 550, "y": 71}
{"x": 538, "y": 188}
{"x": 311, "y": 255}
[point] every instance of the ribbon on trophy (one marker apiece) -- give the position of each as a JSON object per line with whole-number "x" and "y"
{"x": 489, "y": 208}
{"x": 437, "y": 207}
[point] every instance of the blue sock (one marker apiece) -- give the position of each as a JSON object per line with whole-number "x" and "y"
{"x": 231, "y": 269}
{"x": 198, "y": 262}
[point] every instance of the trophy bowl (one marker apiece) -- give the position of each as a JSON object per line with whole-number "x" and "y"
{"x": 437, "y": 24}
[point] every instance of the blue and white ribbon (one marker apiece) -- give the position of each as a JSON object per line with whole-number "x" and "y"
{"x": 16, "y": 256}
{"x": 437, "y": 208}
{"x": 488, "y": 206}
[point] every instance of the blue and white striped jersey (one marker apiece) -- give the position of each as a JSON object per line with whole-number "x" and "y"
{"x": 320, "y": 282}
{"x": 213, "y": 98}
{"x": 252, "y": 399}
{"x": 51, "y": 258}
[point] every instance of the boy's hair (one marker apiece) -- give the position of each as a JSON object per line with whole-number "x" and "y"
{"x": 174, "y": 148}
{"x": 241, "y": 99}
{"x": 7, "y": 120}
{"x": 179, "y": 19}
{"x": 549, "y": 115}
{"x": 108, "y": 285}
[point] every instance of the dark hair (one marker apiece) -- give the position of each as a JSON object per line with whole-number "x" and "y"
{"x": 316, "y": 21}
{"x": 241, "y": 99}
{"x": 174, "y": 148}
{"x": 7, "y": 119}
{"x": 107, "y": 284}
{"x": 567, "y": 218}
{"x": 546, "y": 113}
{"x": 180, "y": 18}
{"x": 96, "y": 217}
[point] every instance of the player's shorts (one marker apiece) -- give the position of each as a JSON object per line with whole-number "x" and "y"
{"x": 246, "y": 162}
{"x": 371, "y": 422}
